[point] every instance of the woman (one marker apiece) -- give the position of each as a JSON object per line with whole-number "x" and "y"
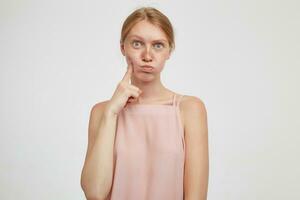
{"x": 146, "y": 142}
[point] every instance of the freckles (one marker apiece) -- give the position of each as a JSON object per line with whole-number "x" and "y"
{"x": 134, "y": 57}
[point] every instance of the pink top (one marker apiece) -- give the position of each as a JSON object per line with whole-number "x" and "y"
{"x": 149, "y": 153}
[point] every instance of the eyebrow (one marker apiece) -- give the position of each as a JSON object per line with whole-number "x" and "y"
{"x": 143, "y": 38}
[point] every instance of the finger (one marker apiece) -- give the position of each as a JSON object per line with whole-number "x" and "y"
{"x": 133, "y": 87}
{"x": 133, "y": 93}
{"x": 132, "y": 99}
{"x": 127, "y": 76}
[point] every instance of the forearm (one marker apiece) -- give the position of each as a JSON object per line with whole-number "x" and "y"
{"x": 98, "y": 172}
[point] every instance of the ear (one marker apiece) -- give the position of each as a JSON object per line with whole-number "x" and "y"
{"x": 122, "y": 48}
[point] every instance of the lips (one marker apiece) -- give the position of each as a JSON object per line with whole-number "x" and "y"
{"x": 147, "y": 68}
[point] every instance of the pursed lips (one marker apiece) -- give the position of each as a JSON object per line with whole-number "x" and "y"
{"x": 147, "y": 68}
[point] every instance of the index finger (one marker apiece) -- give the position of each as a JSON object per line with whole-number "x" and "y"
{"x": 127, "y": 76}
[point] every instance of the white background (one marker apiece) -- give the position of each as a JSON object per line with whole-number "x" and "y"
{"x": 58, "y": 58}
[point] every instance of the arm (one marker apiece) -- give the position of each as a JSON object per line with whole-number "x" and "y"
{"x": 197, "y": 160}
{"x": 97, "y": 172}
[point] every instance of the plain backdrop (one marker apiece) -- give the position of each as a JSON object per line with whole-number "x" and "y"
{"x": 241, "y": 58}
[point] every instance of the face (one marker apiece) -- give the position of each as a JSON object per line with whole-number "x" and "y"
{"x": 146, "y": 44}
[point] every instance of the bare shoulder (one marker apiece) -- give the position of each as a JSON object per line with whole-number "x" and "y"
{"x": 98, "y": 108}
{"x": 95, "y": 115}
{"x": 191, "y": 107}
{"x": 189, "y": 103}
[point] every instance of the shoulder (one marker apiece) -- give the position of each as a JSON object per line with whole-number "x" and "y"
{"x": 96, "y": 112}
{"x": 191, "y": 108}
{"x": 98, "y": 107}
{"x": 192, "y": 103}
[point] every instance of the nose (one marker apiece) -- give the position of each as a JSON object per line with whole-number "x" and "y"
{"x": 147, "y": 56}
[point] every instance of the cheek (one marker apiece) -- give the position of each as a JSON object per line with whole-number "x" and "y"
{"x": 160, "y": 68}
{"x": 132, "y": 58}
{"x": 162, "y": 59}
{"x": 161, "y": 63}
{"x": 131, "y": 53}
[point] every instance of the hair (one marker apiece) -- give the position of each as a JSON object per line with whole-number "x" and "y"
{"x": 153, "y": 16}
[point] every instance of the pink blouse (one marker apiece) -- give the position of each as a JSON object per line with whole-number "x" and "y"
{"x": 149, "y": 153}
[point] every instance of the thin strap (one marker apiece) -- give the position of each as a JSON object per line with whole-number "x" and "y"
{"x": 179, "y": 122}
{"x": 174, "y": 100}
{"x": 179, "y": 99}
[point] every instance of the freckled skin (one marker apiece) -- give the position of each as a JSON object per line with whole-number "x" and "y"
{"x": 146, "y": 51}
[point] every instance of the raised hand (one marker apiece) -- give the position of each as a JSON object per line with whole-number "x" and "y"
{"x": 125, "y": 92}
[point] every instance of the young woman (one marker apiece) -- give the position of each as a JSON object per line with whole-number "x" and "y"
{"x": 146, "y": 142}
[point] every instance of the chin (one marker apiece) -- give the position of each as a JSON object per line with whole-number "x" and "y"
{"x": 145, "y": 77}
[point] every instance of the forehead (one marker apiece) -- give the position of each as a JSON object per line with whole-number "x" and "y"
{"x": 147, "y": 31}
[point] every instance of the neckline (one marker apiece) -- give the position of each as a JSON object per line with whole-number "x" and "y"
{"x": 170, "y": 102}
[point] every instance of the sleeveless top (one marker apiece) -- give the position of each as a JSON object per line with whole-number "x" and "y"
{"x": 149, "y": 153}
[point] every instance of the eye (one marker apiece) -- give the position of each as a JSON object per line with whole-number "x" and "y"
{"x": 159, "y": 45}
{"x": 136, "y": 42}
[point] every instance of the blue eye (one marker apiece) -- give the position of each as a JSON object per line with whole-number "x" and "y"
{"x": 162, "y": 45}
{"x": 158, "y": 45}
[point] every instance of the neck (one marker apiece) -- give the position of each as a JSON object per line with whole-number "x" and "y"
{"x": 151, "y": 90}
